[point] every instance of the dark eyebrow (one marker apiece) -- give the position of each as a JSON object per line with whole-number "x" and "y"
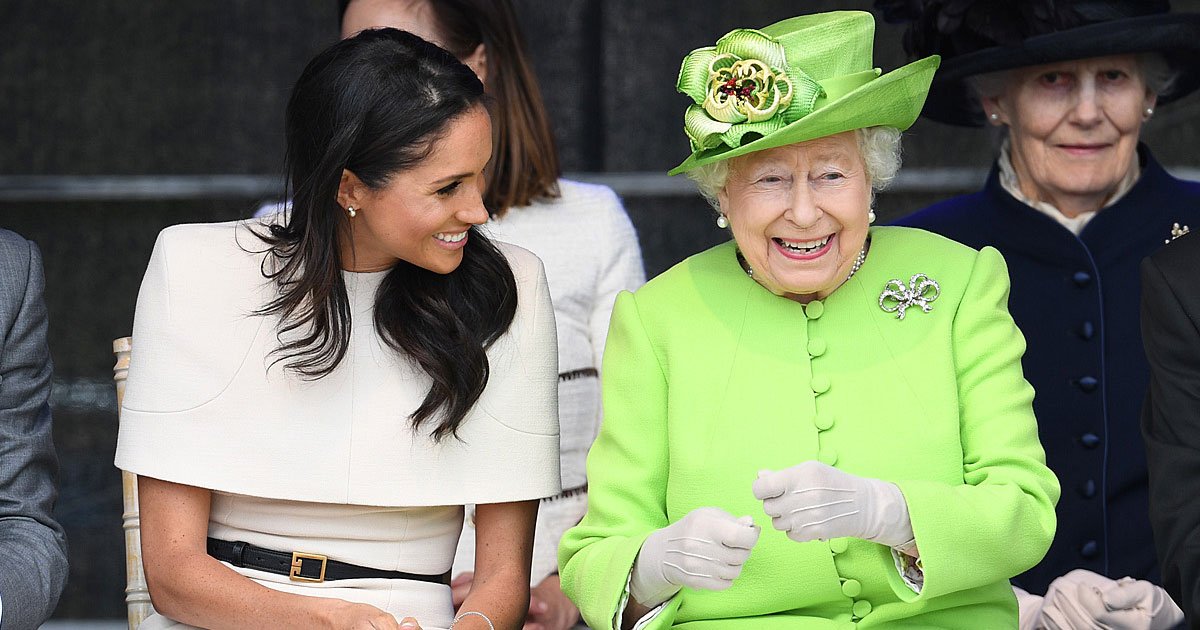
{"x": 450, "y": 178}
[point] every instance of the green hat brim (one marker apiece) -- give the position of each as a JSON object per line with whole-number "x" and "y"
{"x": 892, "y": 100}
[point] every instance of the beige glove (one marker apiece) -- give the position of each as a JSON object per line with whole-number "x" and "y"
{"x": 1083, "y": 599}
{"x": 1029, "y": 607}
{"x": 812, "y": 501}
{"x": 703, "y": 550}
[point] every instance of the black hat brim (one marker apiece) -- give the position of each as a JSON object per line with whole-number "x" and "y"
{"x": 1174, "y": 35}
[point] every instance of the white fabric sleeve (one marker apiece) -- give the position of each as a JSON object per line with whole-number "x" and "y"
{"x": 620, "y": 269}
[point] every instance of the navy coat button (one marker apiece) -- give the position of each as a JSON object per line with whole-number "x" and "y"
{"x": 1082, "y": 278}
{"x": 1089, "y": 489}
{"x": 1089, "y": 440}
{"x": 1088, "y": 383}
{"x": 1089, "y": 549}
{"x": 1086, "y": 330}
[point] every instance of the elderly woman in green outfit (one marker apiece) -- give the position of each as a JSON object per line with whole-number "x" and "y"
{"x": 820, "y": 423}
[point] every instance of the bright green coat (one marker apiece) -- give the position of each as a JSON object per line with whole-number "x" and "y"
{"x": 709, "y": 378}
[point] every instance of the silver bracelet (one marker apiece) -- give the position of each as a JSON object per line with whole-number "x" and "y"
{"x": 477, "y": 614}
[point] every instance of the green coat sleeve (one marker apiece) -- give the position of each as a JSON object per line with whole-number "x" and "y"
{"x": 627, "y": 476}
{"x": 1000, "y": 520}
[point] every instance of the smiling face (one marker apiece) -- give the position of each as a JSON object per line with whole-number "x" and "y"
{"x": 799, "y": 213}
{"x": 1073, "y": 128}
{"x": 423, "y": 213}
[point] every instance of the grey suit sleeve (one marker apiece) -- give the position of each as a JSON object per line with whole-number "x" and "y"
{"x": 33, "y": 549}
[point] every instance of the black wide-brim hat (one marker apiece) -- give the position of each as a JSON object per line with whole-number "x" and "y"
{"x": 1108, "y": 28}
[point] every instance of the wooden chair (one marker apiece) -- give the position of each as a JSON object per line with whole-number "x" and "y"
{"x": 137, "y": 596}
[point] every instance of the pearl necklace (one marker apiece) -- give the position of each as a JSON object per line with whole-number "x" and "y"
{"x": 858, "y": 262}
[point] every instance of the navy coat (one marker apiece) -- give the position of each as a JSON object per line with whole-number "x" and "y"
{"x": 1076, "y": 299}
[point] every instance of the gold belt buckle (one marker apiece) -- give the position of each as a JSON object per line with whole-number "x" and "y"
{"x": 298, "y": 558}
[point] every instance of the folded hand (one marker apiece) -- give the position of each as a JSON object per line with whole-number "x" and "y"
{"x": 1083, "y": 599}
{"x": 812, "y": 501}
{"x": 704, "y": 550}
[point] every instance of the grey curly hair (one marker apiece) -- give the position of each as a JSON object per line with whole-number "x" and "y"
{"x": 879, "y": 147}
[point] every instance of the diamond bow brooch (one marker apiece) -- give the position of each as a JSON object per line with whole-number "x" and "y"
{"x": 897, "y": 298}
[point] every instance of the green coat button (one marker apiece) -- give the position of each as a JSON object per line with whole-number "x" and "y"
{"x": 827, "y": 456}
{"x": 851, "y": 588}
{"x": 861, "y": 608}
{"x": 820, "y": 383}
{"x": 814, "y": 309}
{"x": 839, "y": 545}
{"x": 824, "y": 421}
{"x": 816, "y": 347}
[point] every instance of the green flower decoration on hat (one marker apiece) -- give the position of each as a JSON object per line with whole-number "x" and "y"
{"x": 793, "y": 81}
{"x": 740, "y": 86}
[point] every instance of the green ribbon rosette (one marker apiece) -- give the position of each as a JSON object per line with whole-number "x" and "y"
{"x": 742, "y": 85}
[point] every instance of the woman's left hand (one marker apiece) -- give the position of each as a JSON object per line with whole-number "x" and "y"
{"x": 549, "y": 608}
{"x": 812, "y": 501}
{"x": 1083, "y": 599}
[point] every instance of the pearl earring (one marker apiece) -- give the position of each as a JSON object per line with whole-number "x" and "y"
{"x": 350, "y": 211}
{"x": 722, "y": 222}
{"x": 870, "y": 216}
{"x": 994, "y": 117}
{"x": 1149, "y": 112}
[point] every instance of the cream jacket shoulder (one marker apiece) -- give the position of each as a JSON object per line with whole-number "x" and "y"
{"x": 207, "y": 405}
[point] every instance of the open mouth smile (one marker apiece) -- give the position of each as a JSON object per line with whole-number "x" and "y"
{"x": 803, "y": 250}
{"x": 451, "y": 240}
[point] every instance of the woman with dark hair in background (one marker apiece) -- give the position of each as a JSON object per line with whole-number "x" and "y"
{"x": 1074, "y": 202}
{"x": 580, "y": 232}
{"x": 311, "y": 403}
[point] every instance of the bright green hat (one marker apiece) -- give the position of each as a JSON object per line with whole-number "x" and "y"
{"x": 796, "y": 80}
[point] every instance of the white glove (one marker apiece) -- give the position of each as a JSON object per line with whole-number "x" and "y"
{"x": 1082, "y": 599}
{"x": 813, "y": 501}
{"x": 703, "y": 550}
{"x": 1029, "y": 607}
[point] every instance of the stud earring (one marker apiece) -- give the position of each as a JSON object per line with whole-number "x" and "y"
{"x": 1149, "y": 112}
{"x": 722, "y": 222}
{"x": 994, "y": 117}
{"x": 870, "y": 216}
{"x": 350, "y": 211}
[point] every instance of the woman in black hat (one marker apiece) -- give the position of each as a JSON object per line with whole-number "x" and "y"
{"x": 1074, "y": 202}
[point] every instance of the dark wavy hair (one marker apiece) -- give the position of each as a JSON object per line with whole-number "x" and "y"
{"x": 525, "y": 165}
{"x": 375, "y": 105}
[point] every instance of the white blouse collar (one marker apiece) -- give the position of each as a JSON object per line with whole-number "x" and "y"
{"x": 1008, "y": 181}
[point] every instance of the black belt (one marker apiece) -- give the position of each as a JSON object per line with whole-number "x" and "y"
{"x": 305, "y": 567}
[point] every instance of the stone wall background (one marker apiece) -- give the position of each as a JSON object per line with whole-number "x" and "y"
{"x": 198, "y": 87}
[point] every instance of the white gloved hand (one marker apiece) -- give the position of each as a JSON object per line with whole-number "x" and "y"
{"x": 813, "y": 501}
{"x": 1029, "y": 608}
{"x": 703, "y": 550}
{"x": 1083, "y": 599}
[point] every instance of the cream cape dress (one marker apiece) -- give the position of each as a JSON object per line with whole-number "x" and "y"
{"x": 330, "y": 466}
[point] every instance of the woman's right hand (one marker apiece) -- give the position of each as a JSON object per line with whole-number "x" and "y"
{"x": 343, "y": 615}
{"x": 703, "y": 550}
